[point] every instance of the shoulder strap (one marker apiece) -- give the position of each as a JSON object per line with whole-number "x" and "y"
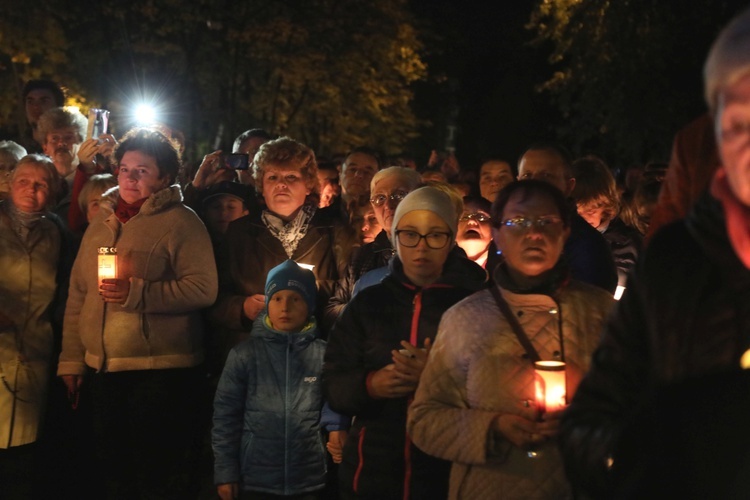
{"x": 514, "y": 324}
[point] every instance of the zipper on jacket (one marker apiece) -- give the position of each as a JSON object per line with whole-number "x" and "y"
{"x": 361, "y": 461}
{"x": 286, "y": 418}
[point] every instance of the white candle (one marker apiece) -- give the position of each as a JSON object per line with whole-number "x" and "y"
{"x": 550, "y": 385}
{"x": 107, "y": 263}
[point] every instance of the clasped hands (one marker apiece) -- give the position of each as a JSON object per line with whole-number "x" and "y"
{"x": 528, "y": 429}
{"x": 401, "y": 377}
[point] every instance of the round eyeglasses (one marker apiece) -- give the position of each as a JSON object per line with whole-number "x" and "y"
{"x": 475, "y": 216}
{"x": 379, "y": 199}
{"x": 525, "y": 223}
{"x": 410, "y": 239}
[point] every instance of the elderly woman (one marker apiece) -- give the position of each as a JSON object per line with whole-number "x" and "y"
{"x": 10, "y": 154}
{"x": 387, "y": 188}
{"x": 380, "y": 343}
{"x": 139, "y": 335}
{"x": 474, "y": 403}
{"x": 30, "y": 249}
{"x": 664, "y": 410}
{"x": 289, "y": 227}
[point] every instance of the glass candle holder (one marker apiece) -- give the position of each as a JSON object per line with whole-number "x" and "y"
{"x": 107, "y": 263}
{"x": 550, "y": 385}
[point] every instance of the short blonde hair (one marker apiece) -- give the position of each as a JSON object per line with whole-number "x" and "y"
{"x": 98, "y": 184}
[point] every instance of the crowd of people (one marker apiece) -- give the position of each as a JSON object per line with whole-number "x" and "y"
{"x": 364, "y": 327}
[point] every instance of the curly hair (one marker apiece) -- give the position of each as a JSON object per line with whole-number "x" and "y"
{"x": 287, "y": 153}
{"x": 154, "y": 144}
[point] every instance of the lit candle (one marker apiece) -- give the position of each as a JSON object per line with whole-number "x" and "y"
{"x": 550, "y": 385}
{"x": 107, "y": 263}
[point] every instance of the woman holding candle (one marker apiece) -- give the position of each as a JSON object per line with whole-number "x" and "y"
{"x": 379, "y": 344}
{"x": 30, "y": 247}
{"x": 476, "y": 404}
{"x": 139, "y": 335}
{"x": 290, "y": 226}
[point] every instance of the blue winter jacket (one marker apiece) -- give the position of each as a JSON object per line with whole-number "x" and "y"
{"x": 268, "y": 413}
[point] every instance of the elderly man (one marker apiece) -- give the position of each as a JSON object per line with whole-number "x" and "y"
{"x": 663, "y": 412}
{"x": 64, "y": 132}
{"x": 357, "y": 170}
{"x": 587, "y": 251}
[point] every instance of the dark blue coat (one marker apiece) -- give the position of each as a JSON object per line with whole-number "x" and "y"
{"x": 267, "y": 413}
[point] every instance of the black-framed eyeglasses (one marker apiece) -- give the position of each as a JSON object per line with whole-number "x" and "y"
{"x": 525, "y": 223}
{"x": 410, "y": 239}
{"x": 475, "y": 216}
{"x": 379, "y": 199}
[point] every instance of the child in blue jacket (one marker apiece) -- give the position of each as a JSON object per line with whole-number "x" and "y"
{"x": 268, "y": 409}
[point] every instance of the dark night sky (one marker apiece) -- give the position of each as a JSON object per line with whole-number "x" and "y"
{"x": 492, "y": 72}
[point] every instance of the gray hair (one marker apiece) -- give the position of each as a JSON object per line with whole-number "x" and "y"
{"x": 728, "y": 60}
{"x": 15, "y": 150}
{"x": 57, "y": 118}
{"x": 410, "y": 177}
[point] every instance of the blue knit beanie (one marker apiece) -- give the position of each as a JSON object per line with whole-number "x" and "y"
{"x": 290, "y": 276}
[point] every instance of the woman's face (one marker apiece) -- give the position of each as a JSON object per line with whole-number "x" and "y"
{"x": 284, "y": 190}
{"x": 30, "y": 188}
{"x": 733, "y": 137}
{"x": 531, "y": 251}
{"x": 474, "y": 230}
{"x": 138, "y": 176}
{"x": 423, "y": 265}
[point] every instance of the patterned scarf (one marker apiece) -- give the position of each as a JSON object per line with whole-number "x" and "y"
{"x": 22, "y": 222}
{"x": 737, "y": 216}
{"x": 125, "y": 211}
{"x": 289, "y": 233}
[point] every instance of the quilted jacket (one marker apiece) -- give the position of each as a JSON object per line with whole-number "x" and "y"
{"x": 478, "y": 369}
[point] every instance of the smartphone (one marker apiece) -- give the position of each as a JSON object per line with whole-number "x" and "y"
{"x": 98, "y": 122}
{"x": 236, "y": 161}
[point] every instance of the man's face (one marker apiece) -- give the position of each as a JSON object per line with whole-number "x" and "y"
{"x": 37, "y": 102}
{"x": 546, "y": 166}
{"x": 359, "y": 168}
{"x": 494, "y": 176}
{"x": 733, "y": 137}
{"x": 61, "y": 145}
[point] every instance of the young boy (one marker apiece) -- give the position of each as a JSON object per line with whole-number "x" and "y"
{"x": 268, "y": 409}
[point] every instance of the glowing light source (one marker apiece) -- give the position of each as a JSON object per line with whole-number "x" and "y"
{"x": 107, "y": 263}
{"x": 550, "y": 385}
{"x": 145, "y": 114}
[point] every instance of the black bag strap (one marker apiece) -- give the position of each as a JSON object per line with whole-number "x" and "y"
{"x": 515, "y": 325}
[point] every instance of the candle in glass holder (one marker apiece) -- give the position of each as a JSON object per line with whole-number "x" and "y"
{"x": 550, "y": 385}
{"x": 107, "y": 263}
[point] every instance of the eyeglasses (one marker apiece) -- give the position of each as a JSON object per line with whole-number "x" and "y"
{"x": 475, "y": 216}
{"x": 380, "y": 199}
{"x": 525, "y": 223}
{"x": 410, "y": 239}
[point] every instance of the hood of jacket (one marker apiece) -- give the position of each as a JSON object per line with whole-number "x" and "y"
{"x": 156, "y": 202}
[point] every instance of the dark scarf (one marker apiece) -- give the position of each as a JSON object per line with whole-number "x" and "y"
{"x": 558, "y": 278}
{"x": 125, "y": 211}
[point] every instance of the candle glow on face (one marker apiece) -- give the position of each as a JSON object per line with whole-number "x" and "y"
{"x": 550, "y": 391}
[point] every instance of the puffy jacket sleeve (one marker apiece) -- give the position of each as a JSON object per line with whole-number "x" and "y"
{"x": 440, "y": 421}
{"x": 195, "y": 281}
{"x": 229, "y": 410}
{"x": 344, "y": 371}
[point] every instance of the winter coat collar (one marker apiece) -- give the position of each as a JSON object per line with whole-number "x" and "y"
{"x": 458, "y": 271}
{"x": 157, "y": 202}
{"x": 262, "y": 328}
